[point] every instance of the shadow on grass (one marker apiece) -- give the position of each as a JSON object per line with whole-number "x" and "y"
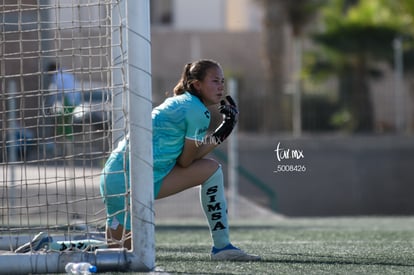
{"x": 199, "y": 227}
{"x": 335, "y": 260}
{"x": 182, "y": 249}
{"x": 173, "y": 227}
{"x": 201, "y": 254}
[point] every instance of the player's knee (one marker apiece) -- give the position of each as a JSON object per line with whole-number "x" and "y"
{"x": 215, "y": 172}
{"x": 212, "y": 165}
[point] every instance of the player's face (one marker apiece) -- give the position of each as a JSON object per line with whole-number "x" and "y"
{"x": 211, "y": 88}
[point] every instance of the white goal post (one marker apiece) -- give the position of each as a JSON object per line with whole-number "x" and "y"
{"x": 75, "y": 78}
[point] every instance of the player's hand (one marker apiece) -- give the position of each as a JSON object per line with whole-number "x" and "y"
{"x": 230, "y": 116}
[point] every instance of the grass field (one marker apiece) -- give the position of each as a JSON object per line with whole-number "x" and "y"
{"x": 377, "y": 245}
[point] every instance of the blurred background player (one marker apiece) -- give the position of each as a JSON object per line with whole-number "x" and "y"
{"x": 63, "y": 98}
{"x": 64, "y": 85}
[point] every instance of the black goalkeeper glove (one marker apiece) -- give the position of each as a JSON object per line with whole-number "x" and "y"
{"x": 230, "y": 114}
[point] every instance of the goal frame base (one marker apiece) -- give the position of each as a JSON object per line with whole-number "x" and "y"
{"x": 110, "y": 259}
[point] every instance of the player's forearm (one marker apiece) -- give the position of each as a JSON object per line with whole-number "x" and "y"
{"x": 205, "y": 149}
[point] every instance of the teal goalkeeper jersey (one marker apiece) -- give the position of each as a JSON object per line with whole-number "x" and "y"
{"x": 176, "y": 119}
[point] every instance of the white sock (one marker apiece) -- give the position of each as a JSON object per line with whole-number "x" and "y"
{"x": 214, "y": 204}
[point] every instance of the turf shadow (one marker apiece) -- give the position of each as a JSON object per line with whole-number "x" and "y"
{"x": 335, "y": 260}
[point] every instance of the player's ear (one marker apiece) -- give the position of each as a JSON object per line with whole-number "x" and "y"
{"x": 197, "y": 85}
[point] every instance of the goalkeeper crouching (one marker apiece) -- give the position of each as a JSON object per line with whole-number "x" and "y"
{"x": 180, "y": 144}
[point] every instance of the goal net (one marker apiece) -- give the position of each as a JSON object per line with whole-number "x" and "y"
{"x": 75, "y": 79}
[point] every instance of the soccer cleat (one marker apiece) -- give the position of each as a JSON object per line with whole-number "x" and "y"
{"x": 232, "y": 253}
{"x": 39, "y": 241}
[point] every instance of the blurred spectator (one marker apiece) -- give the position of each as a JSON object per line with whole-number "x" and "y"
{"x": 63, "y": 86}
{"x": 63, "y": 98}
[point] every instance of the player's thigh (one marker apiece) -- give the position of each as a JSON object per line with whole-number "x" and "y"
{"x": 180, "y": 179}
{"x": 113, "y": 189}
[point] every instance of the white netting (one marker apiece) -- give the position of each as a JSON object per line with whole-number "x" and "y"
{"x": 56, "y": 108}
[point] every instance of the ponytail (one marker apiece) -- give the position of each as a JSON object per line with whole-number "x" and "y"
{"x": 193, "y": 72}
{"x": 183, "y": 83}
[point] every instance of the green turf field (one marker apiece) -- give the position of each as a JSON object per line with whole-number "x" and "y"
{"x": 376, "y": 245}
{"x": 295, "y": 246}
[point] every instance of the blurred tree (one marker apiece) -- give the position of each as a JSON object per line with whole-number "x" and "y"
{"x": 358, "y": 34}
{"x": 274, "y": 51}
{"x": 278, "y": 15}
{"x": 300, "y": 14}
{"x": 406, "y": 9}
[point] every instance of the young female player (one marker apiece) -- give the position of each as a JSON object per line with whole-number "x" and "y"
{"x": 180, "y": 144}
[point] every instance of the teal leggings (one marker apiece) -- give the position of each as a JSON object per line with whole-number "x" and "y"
{"x": 114, "y": 187}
